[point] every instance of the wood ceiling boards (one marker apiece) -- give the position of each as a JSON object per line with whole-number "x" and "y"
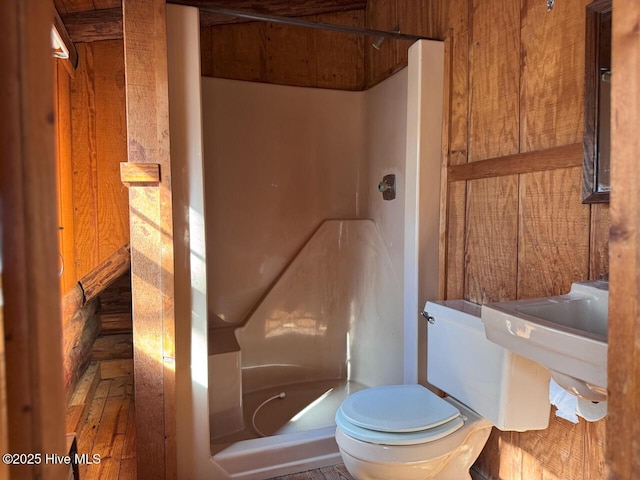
{"x": 93, "y": 20}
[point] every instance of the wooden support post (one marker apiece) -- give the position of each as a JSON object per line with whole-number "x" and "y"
{"x": 28, "y": 239}
{"x": 150, "y": 207}
{"x": 623, "y": 427}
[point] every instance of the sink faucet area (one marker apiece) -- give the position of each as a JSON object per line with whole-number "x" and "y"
{"x": 565, "y": 333}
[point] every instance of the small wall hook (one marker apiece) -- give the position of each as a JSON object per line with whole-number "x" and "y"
{"x": 550, "y": 5}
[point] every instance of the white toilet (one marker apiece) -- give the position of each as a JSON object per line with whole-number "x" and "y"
{"x": 406, "y": 432}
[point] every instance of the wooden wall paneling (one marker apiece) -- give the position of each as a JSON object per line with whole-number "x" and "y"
{"x": 599, "y": 242}
{"x": 63, "y": 118}
{"x": 552, "y": 84}
{"x": 237, "y": 52}
{"x": 151, "y": 237}
{"x": 499, "y": 458}
{"x": 4, "y": 434}
{"x": 84, "y": 161}
{"x": 494, "y": 57}
{"x": 380, "y": 64}
{"x": 339, "y": 57}
{"x": 111, "y": 147}
{"x": 595, "y": 436}
{"x": 459, "y": 24}
{"x": 455, "y": 266}
{"x": 623, "y": 448}
{"x": 94, "y": 26}
{"x": 491, "y": 239}
{"x": 556, "y": 452}
{"x": 31, "y": 313}
{"x": 553, "y": 243}
{"x": 412, "y": 18}
{"x": 290, "y": 52}
{"x": 282, "y": 54}
{"x": 490, "y": 274}
{"x": 553, "y": 252}
{"x": 444, "y": 162}
{"x": 56, "y": 128}
{"x": 206, "y": 52}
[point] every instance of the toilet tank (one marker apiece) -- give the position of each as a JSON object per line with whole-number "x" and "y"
{"x": 510, "y": 391}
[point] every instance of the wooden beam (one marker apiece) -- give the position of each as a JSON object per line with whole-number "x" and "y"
{"x": 95, "y": 282}
{"x": 106, "y": 273}
{"x": 31, "y": 311}
{"x": 94, "y": 25}
{"x": 623, "y": 426}
{"x": 150, "y": 208}
{"x": 566, "y": 156}
{"x": 140, "y": 174}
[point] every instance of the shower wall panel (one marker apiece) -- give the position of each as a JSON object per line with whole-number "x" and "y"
{"x": 278, "y": 161}
{"x": 386, "y": 127}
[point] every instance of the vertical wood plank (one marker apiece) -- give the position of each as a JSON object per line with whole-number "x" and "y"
{"x": 290, "y": 52}
{"x": 563, "y": 460}
{"x": 599, "y": 242}
{"x": 237, "y": 52}
{"x": 206, "y": 52}
{"x": 111, "y": 147}
{"x": 339, "y": 57}
{"x": 494, "y": 79}
{"x": 4, "y": 434}
{"x": 411, "y": 18}
{"x": 84, "y": 161}
{"x": 595, "y": 435}
{"x": 63, "y": 117}
{"x": 553, "y": 241}
{"x": 30, "y": 285}
{"x": 491, "y": 239}
{"x": 459, "y": 129}
{"x": 499, "y": 458}
{"x": 151, "y": 237}
{"x": 551, "y": 97}
{"x": 623, "y": 448}
{"x": 444, "y": 163}
{"x": 456, "y": 212}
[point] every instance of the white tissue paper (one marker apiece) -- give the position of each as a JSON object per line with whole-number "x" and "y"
{"x": 569, "y": 406}
{"x": 566, "y": 403}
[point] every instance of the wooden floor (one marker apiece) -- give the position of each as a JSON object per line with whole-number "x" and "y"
{"x": 109, "y": 431}
{"x": 337, "y": 472}
{"x": 105, "y": 398}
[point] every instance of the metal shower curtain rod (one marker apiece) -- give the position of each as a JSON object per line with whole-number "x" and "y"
{"x": 263, "y": 17}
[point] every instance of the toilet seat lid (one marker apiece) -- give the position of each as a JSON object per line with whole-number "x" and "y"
{"x": 397, "y": 409}
{"x": 391, "y": 438}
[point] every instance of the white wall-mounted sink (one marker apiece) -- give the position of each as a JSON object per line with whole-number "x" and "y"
{"x": 567, "y": 334}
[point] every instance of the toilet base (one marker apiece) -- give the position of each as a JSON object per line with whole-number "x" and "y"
{"x": 376, "y": 471}
{"x": 449, "y": 458}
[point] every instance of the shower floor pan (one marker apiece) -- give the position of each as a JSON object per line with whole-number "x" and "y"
{"x": 300, "y": 431}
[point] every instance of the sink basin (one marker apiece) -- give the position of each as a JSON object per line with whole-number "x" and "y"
{"x": 567, "y": 334}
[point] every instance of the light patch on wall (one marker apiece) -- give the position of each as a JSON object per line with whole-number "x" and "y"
{"x": 297, "y": 322}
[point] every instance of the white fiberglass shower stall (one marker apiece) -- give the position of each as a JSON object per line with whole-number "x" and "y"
{"x": 296, "y": 283}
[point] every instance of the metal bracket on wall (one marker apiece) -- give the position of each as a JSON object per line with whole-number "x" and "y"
{"x": 388, "y": 187}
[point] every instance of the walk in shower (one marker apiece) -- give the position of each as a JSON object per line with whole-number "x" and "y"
{"x": 311, "y": 289}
